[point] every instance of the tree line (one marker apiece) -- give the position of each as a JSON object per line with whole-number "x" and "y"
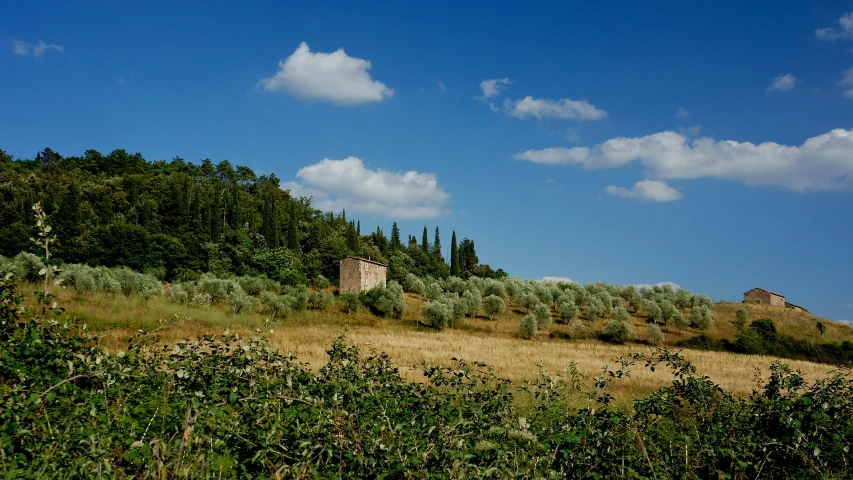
{"x": 177, "y": 219}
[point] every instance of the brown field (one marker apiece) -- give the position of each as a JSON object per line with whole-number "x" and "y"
{"x": 410, "y": 345}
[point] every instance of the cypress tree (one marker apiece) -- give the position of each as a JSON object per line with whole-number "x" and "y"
{"x": 358, "y": 228}
{"x": 396, "y": 244}
{"x": 425, "y": 244}
{"x": 454, "y": 256}
{"x": 436, "y": 246}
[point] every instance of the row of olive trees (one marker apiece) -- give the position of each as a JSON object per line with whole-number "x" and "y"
{"x": 451, "y": 300}
{"x": 83, "y": 279}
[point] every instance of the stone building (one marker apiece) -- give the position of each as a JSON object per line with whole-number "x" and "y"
{"x": 361, "y": 274}
{"x": 764, "y": 297}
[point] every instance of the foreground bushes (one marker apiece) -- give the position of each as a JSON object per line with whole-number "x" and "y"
{"x": 234, "y": 407}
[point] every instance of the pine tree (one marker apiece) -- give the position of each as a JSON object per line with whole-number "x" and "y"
{"x": 425, "y": 243}
{"x": 396, "y": 244}
{"x": 454, "y": 256}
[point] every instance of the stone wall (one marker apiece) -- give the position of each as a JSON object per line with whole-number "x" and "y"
{"x": 361, "y": 275}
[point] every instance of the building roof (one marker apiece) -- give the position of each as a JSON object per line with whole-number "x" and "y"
{"x": 366, "y": 260}
{"x": 763, "y": 290}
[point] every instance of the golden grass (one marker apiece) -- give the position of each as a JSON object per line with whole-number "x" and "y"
{"x": 309, "y": 334}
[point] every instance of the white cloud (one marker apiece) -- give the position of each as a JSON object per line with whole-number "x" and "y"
{"x": 655, "y": 190}
{"x": 120, "y": 79}
{"x": 494, "y": 87}
{"x": 554, "y": 279}
{"x": 555, "y": 155}
{"x": 27, "y": 49}
{"x": 347, "y": 184}
{"x": 847, "y": 84}
{"x": 843, "y": 33}
{"x": 442, "y": 86}
{"x": 783, "y": 83}
{"x": 846, "y": 322}
{"x": 824, "y": 162}
{"x": 681, "y": 113}
{"x": 333, "y": 77}
{"x": 545, "y": 108}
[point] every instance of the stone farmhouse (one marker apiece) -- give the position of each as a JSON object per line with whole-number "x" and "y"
{"x": 766, "y": 297}
{"x": 361, "y": 275}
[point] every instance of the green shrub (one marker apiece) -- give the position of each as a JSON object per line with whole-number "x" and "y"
{"x": 349, "y": 303}
{"x": 741, "y": 319}
{"x": 201, "y": 300}
{"x": 322, "y": 282}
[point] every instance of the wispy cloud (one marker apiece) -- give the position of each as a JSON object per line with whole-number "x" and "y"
{"x": 35, "y": 50}
{"x": 843, "y": 32}
{"x": 681, "y": 112}
{"x": 564, "y": 108}
{"x": 333, "y": 77}
{"x": 783, "y": 83}
{"x": 442, "y": 87}
{"x": 654, "y": 190}
{"x": 493, "y": 88}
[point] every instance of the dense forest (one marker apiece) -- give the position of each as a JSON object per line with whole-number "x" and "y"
{"x": 177, "y": 219}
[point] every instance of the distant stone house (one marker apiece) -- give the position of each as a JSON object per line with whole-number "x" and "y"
{"x": 361, "y": 275}
{"x": 764, "y": 297}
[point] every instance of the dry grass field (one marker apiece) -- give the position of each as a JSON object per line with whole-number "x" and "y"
{"x": 410, "y": 344}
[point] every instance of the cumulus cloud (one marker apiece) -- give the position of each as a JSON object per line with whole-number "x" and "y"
{"x": 823, "y": 162}
{"x": 494, "y": 87}
{"x": 655, "y": 190}
{"x": 783, "y": 83}
{"x": 681, "y": 113}
{"x": 27, "y": 49}
{"x": 348, "y": 184}
{"x": 847, "y": 84}
{"x": 333, "y": 77}
{"x": 564, "y": 108}
{"x": 844, "y": 32}
{"x": 557, "y": 279}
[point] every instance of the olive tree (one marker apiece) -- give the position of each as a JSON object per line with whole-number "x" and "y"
{"x": 594, "y": 310}
{"x": 528, "y": 327}
{"x": 471, "y": 302}
{"x": 493, "y": 305}
{"x": 655, "y": 334}
{"x": 701, "y": 317}
{"x": 542, "y": 314}
{"x": 567, "y": 310}
{"x": 618, "y": 331}
{"x": 436, "y": 313}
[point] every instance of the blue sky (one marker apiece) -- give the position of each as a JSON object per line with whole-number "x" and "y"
{"x": 709, "y": 144}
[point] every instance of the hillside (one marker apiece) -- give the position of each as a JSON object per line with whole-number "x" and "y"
{"x": 411, "y": 342}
